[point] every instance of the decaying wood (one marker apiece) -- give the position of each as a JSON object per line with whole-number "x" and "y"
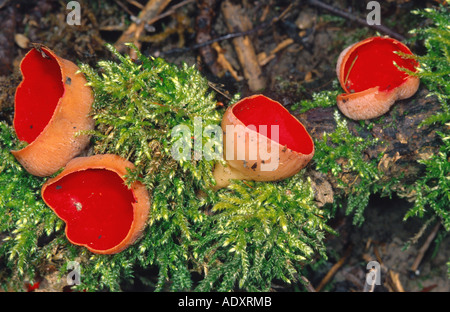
{"x": 150, "y": 11}
{"x": 237, "y": 21}
{"x": 401, "y": 139}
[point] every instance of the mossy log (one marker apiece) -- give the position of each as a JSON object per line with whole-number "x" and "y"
{"x": 403, "y": 142}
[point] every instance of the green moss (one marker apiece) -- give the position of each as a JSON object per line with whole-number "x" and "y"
{"x": 434, "y": 69}
{"x": 24, "y": 218}
{"x": 341, "y": 154}
{"x": 325, "y": 98}
{"x": 261, "y": 232}
{"x": 241, "y": 237}
{"x": 183, "y": 236}
{"x": 433, "y": 188}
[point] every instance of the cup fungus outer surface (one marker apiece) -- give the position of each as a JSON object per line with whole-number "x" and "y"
{"x": 52, "y": 104}
{"x": 101, "y": 213}
{"x": 372, "y": 82}
{"x": 293, "y": 149}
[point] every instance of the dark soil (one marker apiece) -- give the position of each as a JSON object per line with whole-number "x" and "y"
{"x": 387, "y": 237}
{"x": 305, "y": 66}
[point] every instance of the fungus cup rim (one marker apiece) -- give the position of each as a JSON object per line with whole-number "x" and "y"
{"x": 58, "y": 142}
{"x": 372, "y": 102}
{"x": 118, "y": 165}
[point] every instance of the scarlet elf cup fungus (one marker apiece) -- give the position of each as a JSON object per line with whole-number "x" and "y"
{"x": 262, "y": 142}
{"x": 367, "y": 72}
{"x": 52, "y": 104}
{"x": 100, "y": 211}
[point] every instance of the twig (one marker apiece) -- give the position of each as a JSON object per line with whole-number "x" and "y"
{"x": 170, "y": 11}
{"x": 377, "y": 254}
{"x": 334, "y": 269}
{"x": 217, "y": 89}
{"x": 394, "y": 278}
{"x": 263, "y": 58}
{"x": 424, "y": 248}
{"x": 419, "y": 234}
{"x": 218, "y": 39}
{"x": 369, "y": 287}
{"x": 230, "y": 35}
{"x": 235, "y": 19}
{"x": 222, "y": 61}
{"x": 151, "y": 9}
{"x": 124, "y": 7}
{"x": 136, "y": 4}
{"x": 354, "y": 18}
{"x": 3, "y": 3}
{"x": 307, "y": 284}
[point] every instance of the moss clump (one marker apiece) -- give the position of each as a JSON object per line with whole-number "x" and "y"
{"x": 434, "y": 69}
{"x": 326, "y": 98}
{"x": 433, "y": 188}
{"x": 137, "y": 105}
{"x": 260, "y": 232}
{"x": 24, "y": 218}
{"x": 241, "y": 237}
{"x": 341, "y": 153}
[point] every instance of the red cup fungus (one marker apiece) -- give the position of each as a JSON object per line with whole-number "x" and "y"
{"x": 372, "y": 82}
{"x": 100, "y": 211}
{"x": 52, "y": 104}
{"x": 262, "y": 142}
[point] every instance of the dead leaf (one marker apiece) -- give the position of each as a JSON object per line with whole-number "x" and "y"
{"x": 22, "y": 41}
